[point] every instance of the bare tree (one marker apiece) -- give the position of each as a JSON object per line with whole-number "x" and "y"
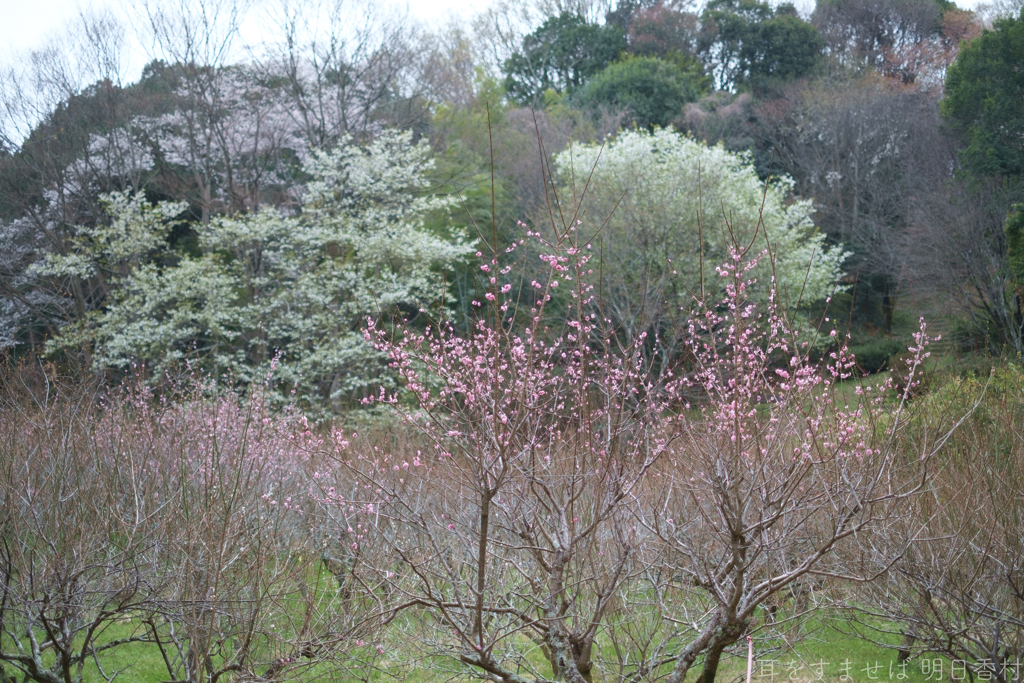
{"x": 867, "y": 155}
{"x": 957, "y": 589}
{"x": 181, "y": 526}
{"x": 350, "y": 69}
{"x": 957, "y": 249}
{"x": 864, "y": 33}
{"x": 77, "y": 555}
{"x": 60, "y": 109}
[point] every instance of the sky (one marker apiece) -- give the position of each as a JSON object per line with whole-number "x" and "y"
{"x": 25, "y": 24}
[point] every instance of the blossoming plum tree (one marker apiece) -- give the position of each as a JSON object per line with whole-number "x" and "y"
{"x": 513, "y": 522}
{"x": 565, "y": 489}
{"x": 772, "y": 472}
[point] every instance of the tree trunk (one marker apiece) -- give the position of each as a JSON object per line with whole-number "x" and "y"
{"x": 711, "y": 664}
{"x": 904, "y": 650}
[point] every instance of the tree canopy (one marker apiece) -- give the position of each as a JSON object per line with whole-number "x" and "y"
{"x": 751, "y": 43}
{"x": 985, "y": 99}
{"x": 561, "y": 55}
{"x": 269, "y": 288}
{"x": 671, "y": 206}
{"x": 653, "y": 91}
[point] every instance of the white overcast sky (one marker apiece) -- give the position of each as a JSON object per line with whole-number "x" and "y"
{"x": 24, "y": 24}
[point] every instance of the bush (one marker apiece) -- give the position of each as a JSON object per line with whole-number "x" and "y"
{"x": 876, "y": 354}
{"x": 957, "y": 590}
{"x": 651, "y": 89}
{"x": 181, "y": 530}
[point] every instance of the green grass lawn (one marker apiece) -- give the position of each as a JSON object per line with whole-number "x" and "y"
{"x": 824, "y": 652}
{"x": 837, "y": 657}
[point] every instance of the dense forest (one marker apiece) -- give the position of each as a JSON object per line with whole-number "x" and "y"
{"x": 573, "y": 341}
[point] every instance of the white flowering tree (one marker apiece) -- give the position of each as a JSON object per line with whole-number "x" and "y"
{"x": 662, "y": 207}
{"x": 271, "y": 288}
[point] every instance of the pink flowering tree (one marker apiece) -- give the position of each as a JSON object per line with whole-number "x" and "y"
{"x": 508, "y": 531}
{"x": 134, "y": 524}
{"x": 564, "y": 500}
{"x": 775, "y": 467}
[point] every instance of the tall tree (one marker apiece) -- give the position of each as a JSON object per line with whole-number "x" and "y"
{"x": 984, "y": 98}
{"x": 664, "y": 30}
{"x": 750, "y": 43}
{"x": 663, "y": 207}
{"x": 866, "y": 33}
{"x": 271, "y": 289}
{"x": 867, "y": 154}
{"x": 561, "y": 55}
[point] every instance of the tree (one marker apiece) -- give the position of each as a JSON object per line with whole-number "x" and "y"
{"x": 869, "y": 154}
{"x": 867, "y": 33}
{"x": 1014, "y": 231}
{"x": 513, "y": 522}
{"x": 973, "y": 254}
{"x": 669, "y": 206}
{"x": 783, "y": 48}
{"x": 749, "y": 43}
{"x": 983, "y": 94}
{"x": 62, "y": 111}
{"x": 349, "y": 69}
{"x": 664, "y": 31}
{"x": 226, "y": 137}
{"x": 561, "y": 55}
{"x": 63, "y": 592}
{"x": 924, "y": 64}
{"x": 958, "y": 591}
{"x": 562, "y": 490}
{"x": 773, "y": 475}
{"x": 269, "y": 288}
{"x": 959, "y": 247}
{"x": 175, "y": 527}
{"x": 651, "y": 90}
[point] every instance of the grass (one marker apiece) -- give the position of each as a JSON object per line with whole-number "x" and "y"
{"x": 825, "y": 650}
{"x": 829, "y": 652}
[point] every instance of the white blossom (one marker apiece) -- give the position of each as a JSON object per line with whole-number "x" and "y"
{"x": 665, "y": 207}
{"x": 269, "y": 286}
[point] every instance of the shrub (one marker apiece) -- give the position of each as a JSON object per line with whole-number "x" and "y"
{"x": 652, "y": 90}
{"x": 875, "y": 355}
{"x": 179, "y": 530}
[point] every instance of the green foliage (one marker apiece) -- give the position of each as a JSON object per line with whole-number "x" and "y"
{"x": 983, "y": 102}
{"x": 651, "y": 89}
{"x": 782, "y": 48}
{"x": 561, "y": 55}
{"x": 1014, "y": 231}
{"x": 752, "y": 44}
{"x": 876, "y": 354}
{"x": 292, "y": 291}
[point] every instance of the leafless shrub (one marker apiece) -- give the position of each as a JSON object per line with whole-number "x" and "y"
{"x": 956, "y": 588}
{"x": 181, "y": 526}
